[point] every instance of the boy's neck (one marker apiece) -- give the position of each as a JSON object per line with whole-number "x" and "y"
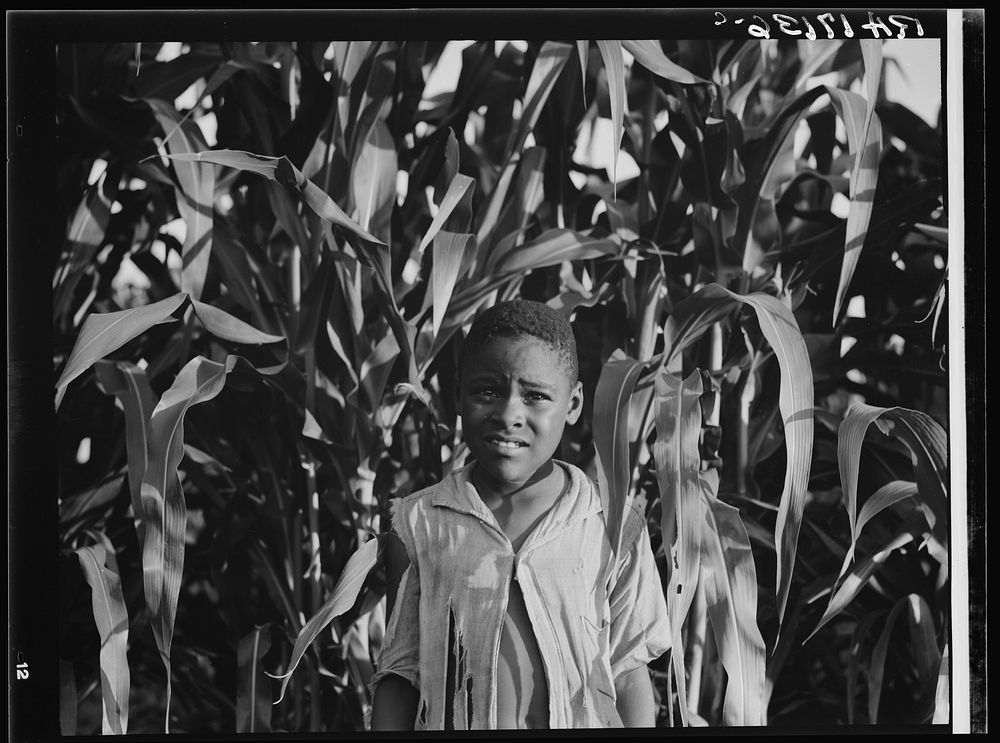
{"x": 546, "y": 484}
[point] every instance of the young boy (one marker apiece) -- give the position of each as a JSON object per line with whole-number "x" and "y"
{"x": 513, "y": 612}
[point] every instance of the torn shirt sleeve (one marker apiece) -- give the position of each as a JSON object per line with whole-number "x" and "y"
{"x": 640, "y": 625}
{"x": 401, "y": 645}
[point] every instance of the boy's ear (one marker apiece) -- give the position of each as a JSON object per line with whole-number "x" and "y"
{"x": 575, "y": 403}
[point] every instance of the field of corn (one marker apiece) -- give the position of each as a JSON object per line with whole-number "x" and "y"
{"x": 272, "y": 252}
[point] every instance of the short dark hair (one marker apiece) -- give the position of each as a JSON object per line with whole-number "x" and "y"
{"x": 523, "y": 317}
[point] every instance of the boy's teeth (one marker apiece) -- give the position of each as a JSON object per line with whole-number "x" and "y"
{"x": 507, "y": 444}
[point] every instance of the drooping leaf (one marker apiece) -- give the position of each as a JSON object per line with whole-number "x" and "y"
{"x": 688, "y": 322}
{"x": 111, "y": 616}
{"x": 281, "y": 170}
{"x": 677, "y": 459}
{"x": 730, "y": 579}
{"x": 850, "y": 437}
{"x": 253, "y": 689}
{"x": 130, "y": 385}
{"x": 648, "y": 53}
{"x": 229, "y": 327}
{"x": 926, "y": 441}
{"x": 106, "y": 332}
{"x": 344, "y": 594}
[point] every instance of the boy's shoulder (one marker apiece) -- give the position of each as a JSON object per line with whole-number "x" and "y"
{"x": 427, "y": 493}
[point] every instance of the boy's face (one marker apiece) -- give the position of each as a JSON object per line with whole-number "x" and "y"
{"x": 516, "y": 398}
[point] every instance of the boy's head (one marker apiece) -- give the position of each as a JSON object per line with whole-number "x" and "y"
{"x": 519, "y": 387}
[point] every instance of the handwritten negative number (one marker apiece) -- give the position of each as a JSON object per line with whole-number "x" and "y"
{"x": 788, "y": 25}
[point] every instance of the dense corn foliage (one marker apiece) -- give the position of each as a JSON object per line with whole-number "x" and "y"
{"x": 272, "y": 253}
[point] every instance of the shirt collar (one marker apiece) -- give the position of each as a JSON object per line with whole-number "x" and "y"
{"x": 579, "y": 501}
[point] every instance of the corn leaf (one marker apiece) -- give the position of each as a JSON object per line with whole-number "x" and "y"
{"x": 238, "y": 276}
{"x": 850, "y": 437}
{"x": 583, "y": 50}
{"x": 450, "y": 250}
{"x": 281, "y": 170}
{"x": 196, "y": 195}
{"x": 130, "y": 385}
{"x": 864, "y": 136}
{"x": 106, "y": 332}
{"x": 925, "y": 656}
{"x": 373, "y": 180}
{"x": 550, "y": 248}
{"x": 689, "y": 321}
{"x": 861, "y": 630}
{"x": 86, "y": 234}
{"x": 288, "y": 217}
{"x": 730, "y": 580}
{"x": 513, "y": 219}
{"x": 942, "y": 691}
{"x": 648, "y": 53}
{"x": 886, "y": 496}
{"x": 228, "y": 327}
{"x": 927, "y": 442}
{"x": 928, "y": 656}
{"x": 111, "y": 616}
{"x": 253, "y": 689}
{"x": 677, "y": 459}
{"x": 611, "y": 440}
{"x": 863, "y": 571}
{"x": 71, "y": 509}
{"x": 164, "y": 508}
{"x": 458, "y": 196}
{"x": 550, "y": 61}
{"x": 614, "y": 65}
{"x": 877, "y": 669}
{"x": 552, "y": 57}
{"x": 344, "y": 594}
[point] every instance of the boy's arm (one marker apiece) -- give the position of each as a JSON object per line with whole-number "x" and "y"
{"x": 395, "y": 696}
{"x": 635, "y": 702}
{"x": 395, "y": 704}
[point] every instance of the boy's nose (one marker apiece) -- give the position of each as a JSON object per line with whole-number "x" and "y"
{"x": 509, "y": 411}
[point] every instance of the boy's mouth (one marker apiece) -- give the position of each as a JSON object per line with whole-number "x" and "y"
{"x": 505, "y": 445}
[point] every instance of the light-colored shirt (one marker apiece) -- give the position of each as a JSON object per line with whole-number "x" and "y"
{"x": 594, "y": 617}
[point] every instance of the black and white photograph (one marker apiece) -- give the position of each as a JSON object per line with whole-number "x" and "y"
{"x": 375, "y": 372}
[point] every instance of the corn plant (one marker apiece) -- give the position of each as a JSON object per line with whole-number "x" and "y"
{"x": 315, "y": 232}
